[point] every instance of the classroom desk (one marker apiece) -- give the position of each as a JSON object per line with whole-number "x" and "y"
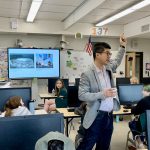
{"x": 122, "y": 111}
{"x": 68, "y": 116}
{"x": 48, "y": 96}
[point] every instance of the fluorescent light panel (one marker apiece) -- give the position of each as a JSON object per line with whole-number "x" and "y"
{"x": 124, "y": 12}
{"x": 33, "y": 10}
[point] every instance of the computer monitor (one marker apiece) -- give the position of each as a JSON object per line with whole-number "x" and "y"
{"x": 73, "y": 100}
{"x": 6, "y": 93}
{"x": 130, "y": 93}
{"x": 77, "y": 81}
{"x": 146, "y": 80}
{"x": 27, "y": 63}
{"x": 148, "y": 127}
{"x": 121, "y": 80}
{"x": 22, "y": 132}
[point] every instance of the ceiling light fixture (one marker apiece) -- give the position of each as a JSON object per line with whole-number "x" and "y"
{"x": 33, "y": 10}
{"x": 124, "y": 12}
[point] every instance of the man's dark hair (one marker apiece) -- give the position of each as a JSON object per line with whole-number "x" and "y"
{"x": 100, "y": 47}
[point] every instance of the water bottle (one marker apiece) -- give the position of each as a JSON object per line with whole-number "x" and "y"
{"x": 32, "y": 106}
{"x": 53, "y": 92}
{"x": 117, "y": 118}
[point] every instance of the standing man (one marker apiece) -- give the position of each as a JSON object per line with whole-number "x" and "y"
{"x": 97, "y": 89}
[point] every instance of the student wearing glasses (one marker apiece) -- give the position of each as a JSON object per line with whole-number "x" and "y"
{"x": 97, "y": 89}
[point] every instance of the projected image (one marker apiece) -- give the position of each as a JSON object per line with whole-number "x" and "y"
{"x": 21, "y": 61}
{"x": 44, "y": 60}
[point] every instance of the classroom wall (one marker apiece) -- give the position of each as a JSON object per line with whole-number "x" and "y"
{"x": 142, "y": 45}
{"x": 44, "y": 41}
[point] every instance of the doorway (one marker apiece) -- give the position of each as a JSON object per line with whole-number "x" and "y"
{"x": 134, "y": 65}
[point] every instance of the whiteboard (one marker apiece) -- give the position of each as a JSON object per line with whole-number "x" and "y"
{"x": 74, "y": 63}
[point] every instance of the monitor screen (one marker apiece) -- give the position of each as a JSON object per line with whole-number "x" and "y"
{"x": 33, "y": 63}
{"x": 6, "y": 93}
{"x": 73, "y": 100}
{"x": 122, "y": 81}
{"x": 130, "y": 93}
{"x": 77, "y": 81}
{"x": 21, "y": 133}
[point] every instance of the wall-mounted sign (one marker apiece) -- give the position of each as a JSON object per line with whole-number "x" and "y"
{"x": 147, "y": 66}
{"x": 99, "y": 31}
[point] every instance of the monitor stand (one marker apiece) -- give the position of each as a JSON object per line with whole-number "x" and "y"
{"x": 35, "y": 90}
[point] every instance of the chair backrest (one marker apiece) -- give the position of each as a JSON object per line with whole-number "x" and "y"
{"x": 148, "y": 127}
{"x": 142, "y": 118}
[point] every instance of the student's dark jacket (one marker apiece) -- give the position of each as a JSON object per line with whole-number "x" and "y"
{"x": 62, "y": 102}
{"x": 142, "y": 106}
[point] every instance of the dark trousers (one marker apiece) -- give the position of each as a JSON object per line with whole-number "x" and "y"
{"x": 98, "y": 133}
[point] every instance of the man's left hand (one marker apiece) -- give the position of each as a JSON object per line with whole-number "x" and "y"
{"x": 123, "y": 40}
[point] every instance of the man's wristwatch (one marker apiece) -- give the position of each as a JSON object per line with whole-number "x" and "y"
{"x": 122, "y": 46}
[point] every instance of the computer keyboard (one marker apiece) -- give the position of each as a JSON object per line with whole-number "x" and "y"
{"x": 70, "y": 109}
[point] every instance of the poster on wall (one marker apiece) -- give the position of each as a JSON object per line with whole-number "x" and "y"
{"x": 3, "y": 64}
{"x": 73, "y": 63}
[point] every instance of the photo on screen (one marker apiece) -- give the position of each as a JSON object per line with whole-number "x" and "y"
{"x": 21, "y": 61}
{"x": 44, "y": 61}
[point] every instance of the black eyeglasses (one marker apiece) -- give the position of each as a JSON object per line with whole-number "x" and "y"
{"x": 108, "y": 53}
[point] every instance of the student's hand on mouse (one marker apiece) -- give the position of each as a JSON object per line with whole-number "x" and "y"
{"x": 123, "y": 40}
{"x": 110, "y": 92}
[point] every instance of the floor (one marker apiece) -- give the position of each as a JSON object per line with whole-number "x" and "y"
{"x": 119, "y": 135}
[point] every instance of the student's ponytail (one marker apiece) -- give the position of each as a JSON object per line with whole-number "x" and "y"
{"x": 8, "y": 112}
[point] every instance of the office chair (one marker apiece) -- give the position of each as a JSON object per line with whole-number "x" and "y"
{"x": 138, "y": 134}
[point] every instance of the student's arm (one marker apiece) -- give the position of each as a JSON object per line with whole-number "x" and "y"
{"x": 140, "y": 107}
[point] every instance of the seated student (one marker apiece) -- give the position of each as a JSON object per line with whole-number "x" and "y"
{"x": 60, "y": 90}
{"x": 134, "y": 80}
{"x": 144, "y": 103}
{"x": 140, "y": 108}
{"x": 54, "y": 141}
{"x": 15, "y": 107}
